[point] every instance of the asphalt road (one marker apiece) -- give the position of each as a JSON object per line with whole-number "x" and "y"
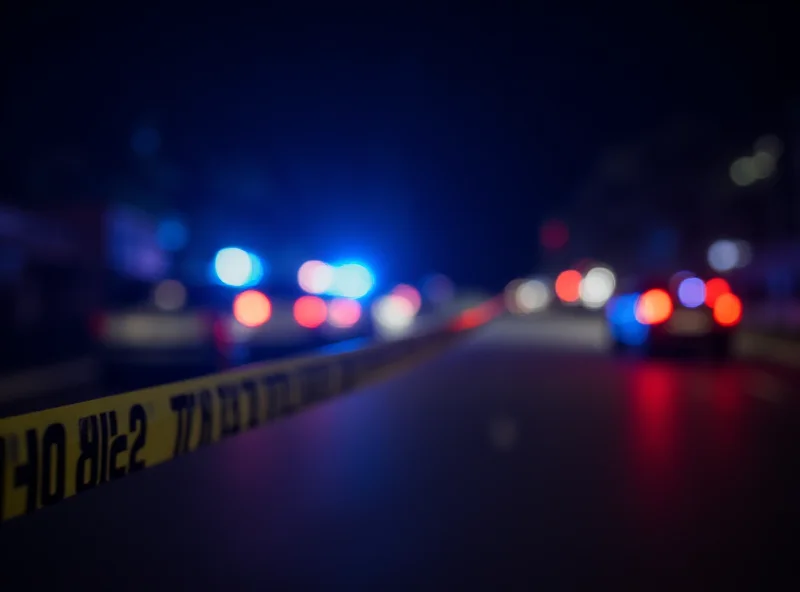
{"x": 524, "y": 458}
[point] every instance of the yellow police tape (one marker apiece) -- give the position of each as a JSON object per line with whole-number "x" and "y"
{"x": 54, "y": 454}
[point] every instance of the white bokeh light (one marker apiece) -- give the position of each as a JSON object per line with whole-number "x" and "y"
{"x": 532, "y": 296}
{"x": 763, "y": 164}
{"x": 315, "y": 277}
{"x": 723, "y": 256}
{"x": 393, "y": 314}
{"x": 510, "y": 295}
{"x": 771, "y": 144}
{"x": 597, "y": 287}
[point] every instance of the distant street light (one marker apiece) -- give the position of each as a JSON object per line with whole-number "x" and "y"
{"x": 761, "y": 165}
{"x": 726, "y": 255}
{"x": 741, "y": 171}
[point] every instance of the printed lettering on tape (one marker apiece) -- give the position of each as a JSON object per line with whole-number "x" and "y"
{"x": 57, "y": 453}
{"x": 53, "y": 454}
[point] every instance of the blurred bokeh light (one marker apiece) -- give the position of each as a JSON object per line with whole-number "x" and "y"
{"x": 597, "y": 286}
{"x": 169, "y": 295}
{"x": 723, "y": 255}
{"x": 715, "y": 288}
{"x": 532, "y": 296}
{"x": 769, "y": 143}
{"x": 310, "y": 311}
{"x": 252, "y": 308}
{"x": 568, "y": 285}
{"x": 727, "y": 309}
{"x": 236, "y": 267}
{"x": 692, "y": 292}
{"x": 410, "y": 294}
{"x": 393, "y": 314}
{"x": 653, "y": 307}
{"x": 621, "y": 314}
{"x": 352, "y": 280}
{"x": 315, "y": 277}
{"x": 760, "y": 165}
{"x": 343, "y": 313}
{"x": 742, "y": 171}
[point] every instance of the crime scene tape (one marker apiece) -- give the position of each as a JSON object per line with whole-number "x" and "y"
{"x": 50, "y": 455}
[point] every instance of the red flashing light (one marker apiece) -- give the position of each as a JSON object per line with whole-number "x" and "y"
{"x": 567, "y": 286}
{"x": 714, "y": 289}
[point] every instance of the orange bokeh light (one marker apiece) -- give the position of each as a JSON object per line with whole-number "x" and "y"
{"x": 728, "y": 310}
{"x": 653, "y": 307}
{"x": 252, "y": 308}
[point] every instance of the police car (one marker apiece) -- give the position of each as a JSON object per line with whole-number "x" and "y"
{"x": 280, "y": 320}
{"x": 207, "y": 328}
{"x": 166, "y": 325}
{"x": 684, "y": 313}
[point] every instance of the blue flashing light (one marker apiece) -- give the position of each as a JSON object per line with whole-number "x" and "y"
{"x": 352, "y": 280}
{"x": 258, "y": 269}
{"x": 237, "y": 268}
{"x": 621, "y": 314}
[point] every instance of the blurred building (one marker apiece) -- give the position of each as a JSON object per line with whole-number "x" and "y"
{"x": 59, "y": 266}
{"x": 658, "y": 202}
{"x": 46, "y": 289}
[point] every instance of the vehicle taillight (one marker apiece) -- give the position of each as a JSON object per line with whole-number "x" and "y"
{"x": 568, "y": 286}
{"x": 728, "y": 310}
{"x": 343, "y": 313}
{"x": 310, "y": 312}
{"x": 714, "y": 289}
{"x": 252, "y": 308}
{"x": 653, "y": 307}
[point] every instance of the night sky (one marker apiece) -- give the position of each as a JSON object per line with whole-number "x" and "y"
{"x": 417, "y": 140}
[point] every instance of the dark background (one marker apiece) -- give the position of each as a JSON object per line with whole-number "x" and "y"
{"x": 418, "y": 137}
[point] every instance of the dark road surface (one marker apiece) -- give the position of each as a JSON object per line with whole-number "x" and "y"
{"x": 525, "y": 458}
